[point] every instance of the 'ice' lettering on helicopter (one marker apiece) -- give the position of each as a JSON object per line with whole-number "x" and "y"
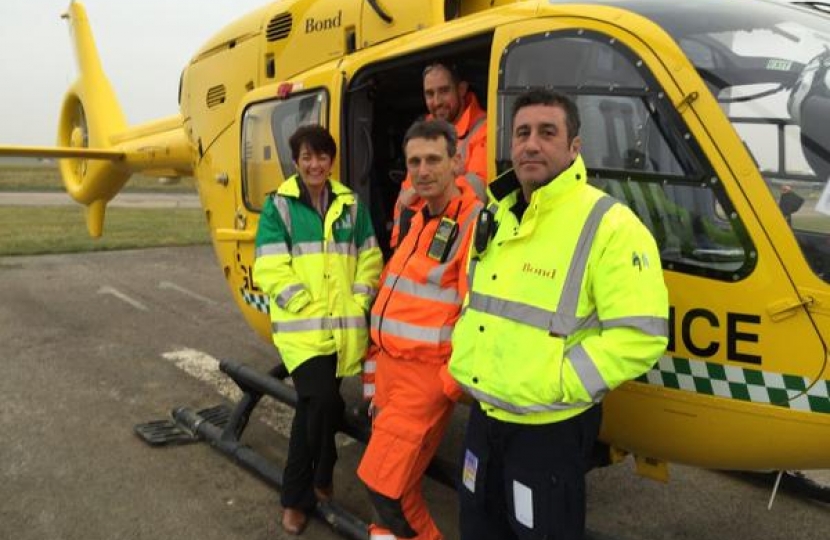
{"x": 318, "y": 25}
{"x": 736, "y": 334}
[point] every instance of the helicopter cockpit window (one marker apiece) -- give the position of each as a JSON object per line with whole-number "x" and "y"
{"x": 769, "y": 68}
{"x": 634, "y": 147}
{"x": 266, "y": 155}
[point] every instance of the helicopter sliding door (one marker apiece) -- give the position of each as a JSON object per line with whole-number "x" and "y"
{"x": 734, "y": 310}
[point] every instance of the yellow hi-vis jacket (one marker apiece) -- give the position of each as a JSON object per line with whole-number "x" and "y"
{"x": 320, "y": 274}
{"x": 564, "y": 305}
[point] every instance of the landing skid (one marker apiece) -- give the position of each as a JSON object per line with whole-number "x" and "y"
{"x": 222, "y": 427}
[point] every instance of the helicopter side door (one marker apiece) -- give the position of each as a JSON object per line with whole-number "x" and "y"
{"x": 270, "y": 115}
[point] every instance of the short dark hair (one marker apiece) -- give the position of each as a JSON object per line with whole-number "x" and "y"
{"x": 452, "y": 69}
{"x": 316, "y": 138}
{"x": 551, "y": 98}
{"x": 432, "y": 130}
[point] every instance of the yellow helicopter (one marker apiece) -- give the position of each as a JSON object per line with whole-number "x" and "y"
{"x": 700, "y": 115}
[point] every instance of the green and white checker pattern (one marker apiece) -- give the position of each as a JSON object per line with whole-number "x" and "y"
{"x": 257, "y": 301}
{"x": 740, "y": 383}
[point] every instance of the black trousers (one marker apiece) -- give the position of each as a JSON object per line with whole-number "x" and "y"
{"x": 525, "y": 482}
{"x": 311, "y": 449}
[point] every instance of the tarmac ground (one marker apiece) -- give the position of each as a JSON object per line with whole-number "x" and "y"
{"x": 92, "y": 344}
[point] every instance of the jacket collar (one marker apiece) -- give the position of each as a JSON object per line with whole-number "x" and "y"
{"x": 291, "y": 188}
{"x": 470, "y": 115}
{"x": 508, "y": 184}
{"x": 563, "y": 184}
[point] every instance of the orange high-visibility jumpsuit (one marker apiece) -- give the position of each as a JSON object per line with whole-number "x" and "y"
{"x": 412, "y": 321}
{"x": 471, "y": 129}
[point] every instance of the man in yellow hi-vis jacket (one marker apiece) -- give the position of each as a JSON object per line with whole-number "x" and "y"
{"x": 566, "y": 302}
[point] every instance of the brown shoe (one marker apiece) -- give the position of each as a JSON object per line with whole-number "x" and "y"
{"x": 294, "y": 521}
{"x": 324, "y": 494}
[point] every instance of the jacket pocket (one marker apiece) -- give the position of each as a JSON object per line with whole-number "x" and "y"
{"x": 391, "y": 454}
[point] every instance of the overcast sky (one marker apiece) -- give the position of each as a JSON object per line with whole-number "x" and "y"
{"x": 144, "y": 44}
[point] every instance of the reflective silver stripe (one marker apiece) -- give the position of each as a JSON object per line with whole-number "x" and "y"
{"x": 426, "y": 291}
{"x": 653, "y": 326}
{"x": 519, "y": 409}
{"x": 323, "y": 323}
{"x": 308, "y": 248}
{"x": 303, "y": 325}
{"x": 573, "y": 280}
{"x": 272, "y": 249}
{"x": 281, "y": 204}
{"x": 436, "y": 274}
{"x": 370, "y": 366}
{"x": 478, "y": 185}
{"x": 370, "y": 243}
{"x": 348, "y": 322}
{"x": 471, "y": 273}
{"x": 589, "y": 322}
{"x": 288, "y": 293}
{"x": 397, "y": 221}
{"x": 369, "y": 390}
{"x": 587, "y": 371}
{"x": 549, "y": 321}
{"x": 463, "y": 144}
{"x": 414, "y": 332}
{"x": 360, "y": 288}
{"x": 353, "y": 214}
{"x": 343, "y": 248}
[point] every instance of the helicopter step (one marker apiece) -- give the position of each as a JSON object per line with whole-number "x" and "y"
{"x": 167, "y": 432}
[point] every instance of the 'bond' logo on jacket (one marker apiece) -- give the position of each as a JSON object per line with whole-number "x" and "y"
{"x": 541, "y": 272}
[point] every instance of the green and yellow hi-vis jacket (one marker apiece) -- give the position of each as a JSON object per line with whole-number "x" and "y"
{"x": 320, "y": 275}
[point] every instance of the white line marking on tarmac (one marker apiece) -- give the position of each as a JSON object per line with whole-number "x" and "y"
{"x": 106, "y": 289}
{"x": 186, "y": 292}
{"x": 204, "y": 367}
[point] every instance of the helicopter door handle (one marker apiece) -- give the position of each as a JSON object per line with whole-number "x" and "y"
{"x": 234, "y": 235}
{"x": 786, "y": 308}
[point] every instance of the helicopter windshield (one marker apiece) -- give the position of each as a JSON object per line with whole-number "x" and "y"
{"x": 768, "y": 68}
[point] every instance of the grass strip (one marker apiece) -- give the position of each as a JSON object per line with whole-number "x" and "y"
{"x": 46, "y": 177}
{"x": 62, "y": 229}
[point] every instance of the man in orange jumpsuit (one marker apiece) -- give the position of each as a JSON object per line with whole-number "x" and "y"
{"x": 421, "y": 290}
{"x": 449, "y": 98}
